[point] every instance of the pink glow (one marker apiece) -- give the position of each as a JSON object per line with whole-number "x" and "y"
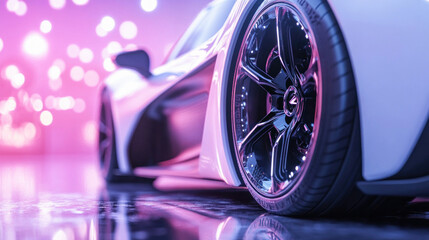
{"x": 25, "y": 178}
{"x": 59, "y": 63}
{"x": 89, "y": 132}
{"x": 55, "y": 84}
{"x": 183, "y": 184}
{"x": 79, "y": 105}
{"x": 53, "y": 62}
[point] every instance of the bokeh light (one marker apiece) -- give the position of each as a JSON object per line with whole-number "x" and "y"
{"x": 11, "y": 70}
{"x": 128, "y": 30}
{"x": 54, "y": 62}
{"x": 10, "y": 104}
{"x": 37, "y": 104}
{"x": 22, "y": 8}
{"x": 17, "y": 80}
{"x": 107, "y": 23}
{"x": 46, "y": 118}
{"x": 57, "y": 4}
{"x": 80, "y": 2}
{"x": 130, "y": 47}
{"x": 73, "y": 51}
{"x": 79, "y": 105}
{"x": 45, "y": 26}
{"x": 99, "y": 30}
{"x": 86, "y": 55}
{"x": 17, "y": 6}
{"x": 29, "y": 130}
{"x": 76, "y": 73}
{"x": 113, "y": 48}
{"x": 60, "y": 63}
{"x": 66, "y": 103}
{"x": 54, "y": 72}
{"x": 12, "y": 5}
{"x": 91, "y": 78}
{"x": 35, "y": 45}
{"x": 55, "y": 84}
{"x": 108, "y": 65}
{"x": 148, "y": 5}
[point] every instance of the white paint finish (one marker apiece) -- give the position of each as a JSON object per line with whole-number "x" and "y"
{"x": 131, "y": 93}
{"x": 215, "y": 158}
{"x": 121, "y": 84}
{"x": 388, "y": 42}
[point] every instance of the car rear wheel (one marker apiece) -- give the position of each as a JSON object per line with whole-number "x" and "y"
{"x": 294, "y": 121}
{"x": 106, "y": 140}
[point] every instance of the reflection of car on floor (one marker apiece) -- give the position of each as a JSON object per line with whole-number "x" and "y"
{"x": 317, "y": 107}
{"x": 133, "y": 214}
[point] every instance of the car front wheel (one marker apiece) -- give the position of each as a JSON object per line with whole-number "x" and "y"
{"x": 294, "y": 120}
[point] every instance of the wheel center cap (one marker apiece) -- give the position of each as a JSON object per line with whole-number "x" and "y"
{"x": 291, "y": 101}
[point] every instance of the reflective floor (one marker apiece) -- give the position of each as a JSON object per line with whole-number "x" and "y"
{"x": 63, "y": 197}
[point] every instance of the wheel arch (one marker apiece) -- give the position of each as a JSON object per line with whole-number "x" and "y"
{"x": 381, "y": 79}
{"x": 216, "y": 159}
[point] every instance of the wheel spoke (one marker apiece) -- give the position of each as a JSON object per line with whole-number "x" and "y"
{"x": 279, "y": 157}
{"x": 307, "y": 79}
{"x": 280, "y": 80}
{"x": 260, "y": 77}
{"x": 104, "y": 144}
{"x": 303, "y": 133}
{"x": 284, "y": 44}
{"x": 267, "y": 124}
{"x": 102, "y": 127}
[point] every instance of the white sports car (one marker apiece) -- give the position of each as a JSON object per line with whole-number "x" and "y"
{"x": 318, "y": 107}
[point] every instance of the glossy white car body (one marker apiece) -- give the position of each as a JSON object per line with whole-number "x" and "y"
{"x": 387, "y": 42}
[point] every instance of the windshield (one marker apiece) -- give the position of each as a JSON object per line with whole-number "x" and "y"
{"x": 208, "y": 22}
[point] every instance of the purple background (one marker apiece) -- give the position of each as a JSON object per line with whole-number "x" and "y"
{"x": 73, "y": 128}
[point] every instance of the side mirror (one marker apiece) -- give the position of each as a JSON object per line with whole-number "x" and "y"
{"x": 137, "y": 60}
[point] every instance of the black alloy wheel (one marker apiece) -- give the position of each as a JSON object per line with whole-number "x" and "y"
{"x": 277, "y": 76}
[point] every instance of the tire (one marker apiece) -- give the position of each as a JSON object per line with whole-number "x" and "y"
{"x": 300, "y": 154}
{"x": 107, "y": 143}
